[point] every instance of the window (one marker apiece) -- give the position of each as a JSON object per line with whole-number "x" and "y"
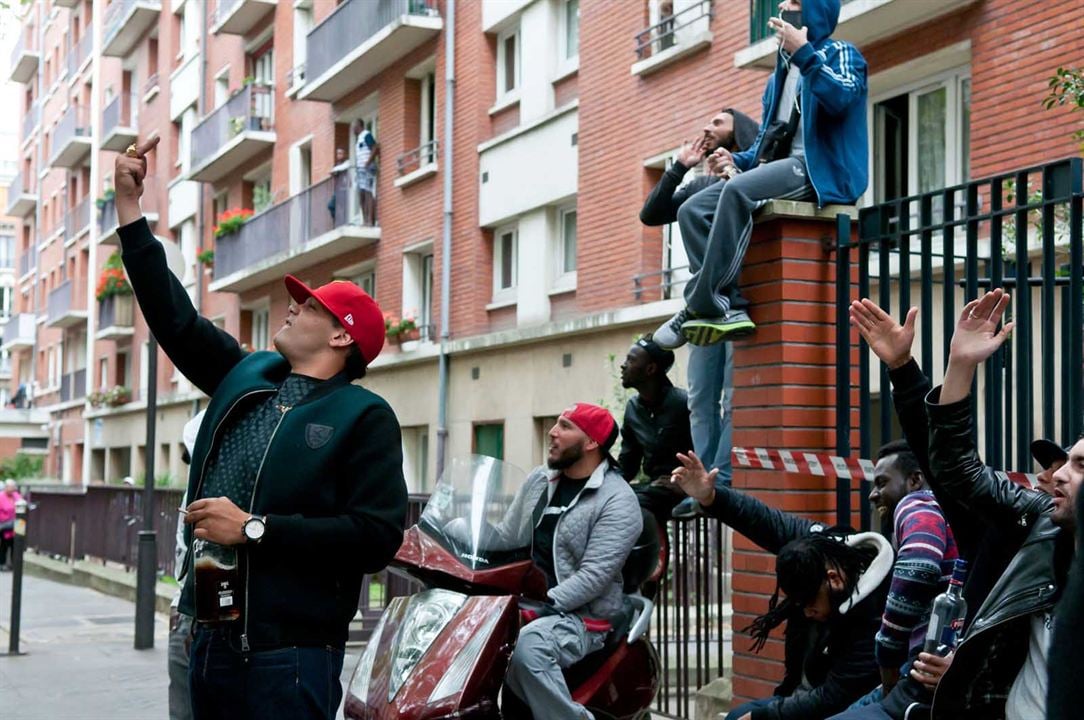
{"x": 567, "y": 262}
{"x": 261, "y": 324}
{"x": 570, "y": 21}
{"x": 261, "y": 193}
{"x": 489, "y": 440}
{"x": 103, "y": 373}
{"x": 367, "y": 282}
{"x": 425, "y": 312}
{"x": 222, "y": 86}
{"x": 7, "y": 298}
{"x": 505, "y": 252}
{"x": 7, "y": 249}
{"x": 300, "y": 166}
{"x": 507, "y": 63}
{"x": 416, "y": 458}
{"x": 418, "y": 287}
{"x": 428, "y": 118}
{"x": 302, "y": 26}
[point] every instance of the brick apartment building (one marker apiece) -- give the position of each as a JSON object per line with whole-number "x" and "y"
{"x": 565, "y": 114}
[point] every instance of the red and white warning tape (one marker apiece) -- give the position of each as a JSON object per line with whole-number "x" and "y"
{"x": 824, "y": 465}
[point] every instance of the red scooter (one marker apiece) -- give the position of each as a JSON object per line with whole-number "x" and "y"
{"x": 442, "y": 653}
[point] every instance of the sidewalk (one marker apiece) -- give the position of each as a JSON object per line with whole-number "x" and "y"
{"x": 79, "y": 660}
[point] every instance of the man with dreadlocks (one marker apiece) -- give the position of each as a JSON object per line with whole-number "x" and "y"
{"x": 833, "y": 583}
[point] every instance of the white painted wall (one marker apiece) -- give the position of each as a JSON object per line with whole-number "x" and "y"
{"x": 496, "y": 13}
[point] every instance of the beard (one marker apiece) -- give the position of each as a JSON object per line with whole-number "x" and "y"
{"x": 566, "y": 459}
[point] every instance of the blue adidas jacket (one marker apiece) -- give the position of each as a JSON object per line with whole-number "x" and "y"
{"x": 834, "y": 97}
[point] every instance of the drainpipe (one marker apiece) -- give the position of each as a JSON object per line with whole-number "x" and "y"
{"x": 446, "y": 239}
{"x": 201, "y": 223}
{"x": 92, "y": 256}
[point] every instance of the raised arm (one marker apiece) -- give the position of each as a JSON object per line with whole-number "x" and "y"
{"x": 768, "y": 527}
{"x": 202, "y": 352}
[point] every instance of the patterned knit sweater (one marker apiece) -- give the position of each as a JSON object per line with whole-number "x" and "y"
{"x": 926, "y": 552}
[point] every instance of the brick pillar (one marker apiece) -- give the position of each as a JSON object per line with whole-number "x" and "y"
{"x": 784, "y": 399}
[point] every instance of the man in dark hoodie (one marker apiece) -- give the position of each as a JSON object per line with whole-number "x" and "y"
{"x": 819, "y": 92}
{"x": 711, "y": 369}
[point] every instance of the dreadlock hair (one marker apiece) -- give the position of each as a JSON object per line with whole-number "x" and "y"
{"x": 801, "y": 568}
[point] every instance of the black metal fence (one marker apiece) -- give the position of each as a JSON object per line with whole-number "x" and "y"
{"x": 940, "y": 249}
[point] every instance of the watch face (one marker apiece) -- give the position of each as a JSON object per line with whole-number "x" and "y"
{"x": 254, "y": 529}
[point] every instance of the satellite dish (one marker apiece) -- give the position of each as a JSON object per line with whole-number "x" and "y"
{"x": 174, "y": 258}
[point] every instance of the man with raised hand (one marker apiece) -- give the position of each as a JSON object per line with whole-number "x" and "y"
{"x": 295, "y": 467}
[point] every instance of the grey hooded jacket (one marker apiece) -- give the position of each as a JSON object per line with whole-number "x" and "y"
{"x": 591, "y": 542}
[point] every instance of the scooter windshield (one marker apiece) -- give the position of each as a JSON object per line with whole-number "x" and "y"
{"x": 473, "y": 512}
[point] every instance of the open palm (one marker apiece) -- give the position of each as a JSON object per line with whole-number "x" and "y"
{"x": 977, "y": 336}
{"x": 888, "y": 340}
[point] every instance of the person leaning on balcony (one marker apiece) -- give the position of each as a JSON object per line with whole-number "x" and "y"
{"x": 1019, "y": 542}
{"x": 710, "y": 376}
{"x": 815, "y": 110}
{"x": 294, "y": 465}
{"x": 366, "y": 154}
{"x": 835, "y": 583}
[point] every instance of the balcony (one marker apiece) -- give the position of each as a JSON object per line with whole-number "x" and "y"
{"x": 860, "y": 22}
{"x": 126, "y": 22}
{"x": 239, "y": 17}
{"x": 24, "y": 58}
{"x": 73, "y": 386}
{"x": 31, "y": 120}
{"x": 21, "y": 200}
{"x": 71, "y": 139}
{"x": 233, "y": 134}
{"x": 674, "y": 37}
{"x": 66, "y": 3}
{"x": 413, "y": 165}
{"x": 116, "y": 315}
{"x": 79, "y": 54}
{"x": 290, "y": 236}
{"x": 65, "y": 307}
{"x": 107, "y": 212}
{"x": 78, "y": 221}
{"x": 19, "y": 332}
{"x": 360, "y": 39}
{"x": 119, "y": 122}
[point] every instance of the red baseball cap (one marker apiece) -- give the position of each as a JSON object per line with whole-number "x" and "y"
{"x": 358, "y": 313}
{"x": 596, "y": 422}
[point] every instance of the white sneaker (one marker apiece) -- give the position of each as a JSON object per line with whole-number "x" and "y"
{"x": 668, "y": 336}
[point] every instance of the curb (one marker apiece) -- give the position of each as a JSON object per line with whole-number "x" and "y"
{"x": 108, "y": 580}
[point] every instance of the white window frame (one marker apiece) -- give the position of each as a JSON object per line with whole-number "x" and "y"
{"x": 303, "y": 23}
{"x": 366, "y": 277}
{"x": 415, "y": 441}
{"x": 260, "y": 333}
{"x": 563, "y": 279}
{"x": 297, "y": 166}
{"x": 507, "y": 96}
{"x": 222, "y": 86}
{"x": 566, "y": 63}
{"x": 505, "y": 294}
{"x": 414, "y": 282}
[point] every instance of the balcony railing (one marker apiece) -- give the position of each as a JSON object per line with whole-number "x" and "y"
{"x": 79, "y": 53}
{"x": 224, "y": 139}
{"x": 126, "y": 22}
{"x": 77, "y": 220}
{"x": 282, "y": 229}
{"x": 19, "y": 331}
{"x": 239, "y": 17}
{"x": 71, "y": 139}
{"x": 669, "y": 30}
{"x": 118, "y": 122}
{"x": 26, "y": 261}
{"x": 116, "y": 315}
{"x": 107, "y": 212}
{"x": 31, "y": 119}
{"x": 296, "y": 76}
{"x": 341, "y": 52}
{"x": 151, "y": 84}
{"x": 417, "y": 158}
{"x": 21, "y": 201}
{"x": 73, "y": 386}
{"x": 25, "y": 56}
{"x": 64, "y": 307}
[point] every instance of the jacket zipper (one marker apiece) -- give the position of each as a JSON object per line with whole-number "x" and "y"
{"x": 206, "y": 457}
{"x": 933, "y": 702}
{"x": 251, "y": 504}
{"x": 557, "y": 525}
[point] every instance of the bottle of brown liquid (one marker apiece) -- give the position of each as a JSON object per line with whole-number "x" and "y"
{"x": 217, "y": 582}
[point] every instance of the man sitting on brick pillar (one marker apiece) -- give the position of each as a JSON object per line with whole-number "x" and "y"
{"x": 812, "y": 144}
{"x": 834, "y": 582}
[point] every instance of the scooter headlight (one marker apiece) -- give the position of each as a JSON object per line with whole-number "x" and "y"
{"x": 427, "y": 614}
{"x": 458, "y": 672}
{"x": 359, "y": 684}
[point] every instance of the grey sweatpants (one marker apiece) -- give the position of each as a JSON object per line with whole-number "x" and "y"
{"x": 545, "y": 646}
{"x": 180, "y": 698}
{"x": 716, "y": 224}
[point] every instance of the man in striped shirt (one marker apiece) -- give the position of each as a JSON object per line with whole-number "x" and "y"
{"x": 925, "y": 553}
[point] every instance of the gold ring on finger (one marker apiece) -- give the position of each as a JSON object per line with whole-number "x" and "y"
{"x": 131, "y": 151}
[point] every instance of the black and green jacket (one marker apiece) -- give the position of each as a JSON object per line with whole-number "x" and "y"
{"x": 330, "y": 483}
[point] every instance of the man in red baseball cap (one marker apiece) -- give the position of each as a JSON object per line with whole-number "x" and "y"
{"x": 295, "y": 468}
{"x": 581, "y": 520}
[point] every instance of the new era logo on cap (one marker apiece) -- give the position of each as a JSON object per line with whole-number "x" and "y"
{"x": 359, "y": 314}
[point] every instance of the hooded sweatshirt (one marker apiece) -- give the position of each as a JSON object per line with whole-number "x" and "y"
{"x": 834, "y": 93}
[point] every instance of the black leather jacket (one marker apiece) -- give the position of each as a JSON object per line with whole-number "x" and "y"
{"x": 995, "y": 643}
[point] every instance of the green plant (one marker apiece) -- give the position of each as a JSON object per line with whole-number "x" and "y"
{"x": 394, "y": 326}
{"x": 112, "y": 281}
{"x": 237, "y": 124}
{"x": 206, "y": 257}
{"x": 106, "y": 197}
{"x": 249, "y": 79}
{"x": 230, "y": 221}
{"x": 113, "y": 397}
{"x": 1066, "y": 87}
{"x": 20, "y": 466}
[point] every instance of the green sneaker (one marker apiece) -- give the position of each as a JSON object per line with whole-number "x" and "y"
{"x": 709, "y": 331}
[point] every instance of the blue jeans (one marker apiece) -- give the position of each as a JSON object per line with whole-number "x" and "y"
{"x": 739, "y": 712}
{"x": 711, "y": 397}
{"x": 289, "y": 682}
